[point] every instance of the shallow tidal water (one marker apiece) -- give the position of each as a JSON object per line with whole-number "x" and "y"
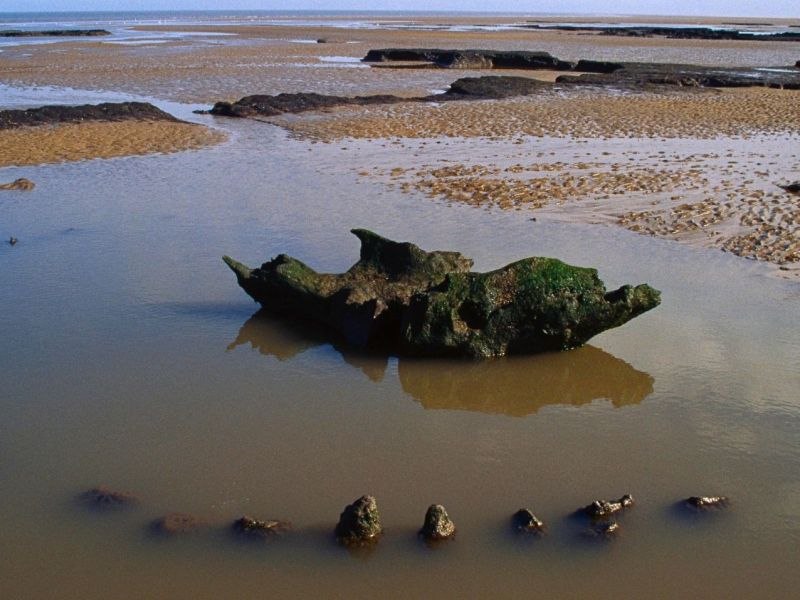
{"x": 132, "y": 359}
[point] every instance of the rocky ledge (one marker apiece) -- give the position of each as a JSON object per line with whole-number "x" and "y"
{"x": 649, "y": 75}
{"x": 675, "y": 33}
{"x": 593, "y": 72}
{"x": 399, "y": 298}
{"x": 54, "y": 115}
{"x": 55, "y": 33}
{"x": 467, "y": 88}
{"x": 470, "y": 59}
{"x": 602, "y": 74}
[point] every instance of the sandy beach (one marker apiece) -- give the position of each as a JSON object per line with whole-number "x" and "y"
{"x": 28, "y": 146}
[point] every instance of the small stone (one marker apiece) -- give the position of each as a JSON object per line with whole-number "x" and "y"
{"x": 602, "y": 509}
{"x": 359, "y": 522}
{"x": 254, "y": 529}
{"x": 524, "y": 521}
{"x": 438, "y": 525}
{"x": 706, "y": 503}
{"x": 105, "y": 499}
{"x": 173, "y": 524}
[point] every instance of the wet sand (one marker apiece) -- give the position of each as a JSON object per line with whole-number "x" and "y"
{"x": 68, "y": 142}
{"x": 712, "y": 198}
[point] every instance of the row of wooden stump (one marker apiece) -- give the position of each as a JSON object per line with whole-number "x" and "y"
{"x": 360, "y": 522}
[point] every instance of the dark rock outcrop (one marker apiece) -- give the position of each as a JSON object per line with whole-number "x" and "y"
{"x": 53, "y": 115}
{"x": 254, "y": 529}
{"x": 401, "y": 298}
{"x": 634, "y": 76}
{"x": 360, "y": 522}
{"x": 174, "y": 524}
{"x": 676, "y": 33}
{"x": 437, "y": 525}
{"x": 706, "y": 503}
{"x": 648, "y": 75}
{"x": 495, "y": 87}
{"x": 21, "y": 184}
{"x": 470, "y": 59}
{"x": 106, "y": 499}
{"x": 55, "y": 33}
{"x": 467, "y": 88}
{"x": 270, "y": 106}
{"x": 524, "y": 521}
{"x": 603, "y": 509}
{"x": 596, "y": 73}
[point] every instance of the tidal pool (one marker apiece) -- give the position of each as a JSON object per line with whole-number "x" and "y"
{"x": 131, "y": 358}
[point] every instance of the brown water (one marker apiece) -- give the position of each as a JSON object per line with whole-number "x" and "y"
{"x": 132, "y": 359}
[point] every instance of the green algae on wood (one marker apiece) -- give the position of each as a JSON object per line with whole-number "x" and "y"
{"x": 404, "y": 299}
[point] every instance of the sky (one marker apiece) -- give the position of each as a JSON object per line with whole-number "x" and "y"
{"x": 747, "y": 8}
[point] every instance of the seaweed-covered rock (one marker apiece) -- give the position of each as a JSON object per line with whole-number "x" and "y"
{"x": 402, "y": 298}
{"x": 602, "y": 509}
{"x": 257, "y": 530}
{"x": 102, "y": 498}
{"x": 359, "y": 522}
{"x": 524, "y": 521}
{"x": 437, "y": 525}
{"x": 21, "y": 184}
{"x": 106, "y": 112}
{"x": 706, "y": 503}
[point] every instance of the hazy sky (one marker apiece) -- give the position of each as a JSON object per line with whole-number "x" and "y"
{"x": 773, "y": 8}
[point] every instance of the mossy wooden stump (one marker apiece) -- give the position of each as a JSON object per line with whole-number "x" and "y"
{"x": 402, "y": 299}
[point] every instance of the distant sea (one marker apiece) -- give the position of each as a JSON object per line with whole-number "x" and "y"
{"x": 120, "y": 24}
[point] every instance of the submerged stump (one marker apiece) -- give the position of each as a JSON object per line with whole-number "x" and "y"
{"x": 177, "y": 524}
{"x": 706, "y": 503}
{"x": 360, "y": 522}
{"x": 105, "y": 499}
{"x": 437, "y": 525}
{"x": 403, "y": 299}
{"x": 524, "y": 521}
{"x": 603, "y": 509}
{"x": 248, "y": 528}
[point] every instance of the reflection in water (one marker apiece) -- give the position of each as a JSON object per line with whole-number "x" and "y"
{"x": 515, "y": 386}
{"x": 521, "y": 385}
{"x": 284, "y": 339}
